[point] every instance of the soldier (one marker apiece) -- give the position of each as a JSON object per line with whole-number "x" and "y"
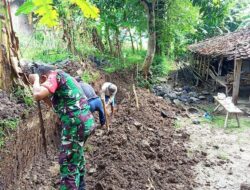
{"x": 71, "y": 105}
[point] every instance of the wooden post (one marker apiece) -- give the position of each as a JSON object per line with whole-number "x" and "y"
{"x": 208, "y": 65}
{"x": 220, "y": 66}
{"x": 236, "y": 84}
{"x": 136, "y": 98}
{"x": 200, "y": 64}
{"x": 105, "y": 113}
{"x": 204, "y": 66}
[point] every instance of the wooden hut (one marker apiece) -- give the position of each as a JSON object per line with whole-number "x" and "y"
{"x": 225, "y": 59}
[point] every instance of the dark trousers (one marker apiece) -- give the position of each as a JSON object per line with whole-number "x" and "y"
{"x": 96, "y": 105}
{"x": 82, "y": 183}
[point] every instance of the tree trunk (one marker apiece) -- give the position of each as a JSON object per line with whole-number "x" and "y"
{"x": 107, "y": 34}
{"x": 140, "y": 40}
{"x": 150, "y": 10}
{"x": 9, "y": 57}
{"x": 96, "y": 40}
{"x": 118, "y": 51}
{"x": 160, "y": 25}
{"x": 67, "y": 35}
{"x": 131, "y": 39}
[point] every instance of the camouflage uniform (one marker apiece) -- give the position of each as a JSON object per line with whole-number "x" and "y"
{"x": 72, "y": 107}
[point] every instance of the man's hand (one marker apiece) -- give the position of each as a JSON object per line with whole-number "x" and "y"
{"x": 33, "y": 78}
{"x": 106, "y": 105}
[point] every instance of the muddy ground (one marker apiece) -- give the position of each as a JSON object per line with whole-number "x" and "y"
{"x": 11, "y": 107}
{"x": 143, "y": 149}
{"x": 140, "y": 151}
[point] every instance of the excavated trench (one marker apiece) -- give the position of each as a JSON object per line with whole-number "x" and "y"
{"x": 142, "y": 150}
{"x": 24, "y": 147}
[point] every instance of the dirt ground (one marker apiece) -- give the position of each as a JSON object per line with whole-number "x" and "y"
{"x": 143, "y": 150}
{"x": 140, "y": 151}
{"x": 10, "y": 107}
{"x": 227, "y": 163}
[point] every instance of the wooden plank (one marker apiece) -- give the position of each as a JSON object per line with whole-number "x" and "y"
{"x": 236, "y": 84}
{"x": 228, "y": 105}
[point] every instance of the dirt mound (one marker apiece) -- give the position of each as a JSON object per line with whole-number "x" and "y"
{"x": 69, "y": 66}
{"x": 141, "y": 151}
{"x": 10, "y": 107}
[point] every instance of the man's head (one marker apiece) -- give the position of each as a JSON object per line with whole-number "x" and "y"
{"x": 42, "y": 70}
{"x": 112, "y": 88}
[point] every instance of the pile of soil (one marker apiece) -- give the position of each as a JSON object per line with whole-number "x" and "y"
{"x": 141, "y": 150}
{"x": 69, "y": 66}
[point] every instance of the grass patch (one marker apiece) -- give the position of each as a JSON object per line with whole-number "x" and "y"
{"x": 24, "y": 95}
{"x": 128, "y": 60}
{"x": 219, "y": 120}
{"x": 178, "y": 124}
{"x": 162, "y": 66}
{"x": 90, "y": 77}
{"x": 6, "y": 127}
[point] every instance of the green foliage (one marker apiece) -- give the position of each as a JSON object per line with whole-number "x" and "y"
{"x": 143, "y": 83}
{"x": 128, "y": 61}
{"x": 24, "y": 95}
{"x": 161, "y": 66}
{"x": 6, "y": 127}
{"x": 46, "y": 10}
{"x": 89, "y": 10}
{"x": 90, "y": 77}
{"x": 43, "y": 9}
{"x": 44, "y": 45}
{"x": 239, "y": 15}
{"x": 218, "y": 122}
{"x": 214, "y": 13}
{"x": 182, "y": 18}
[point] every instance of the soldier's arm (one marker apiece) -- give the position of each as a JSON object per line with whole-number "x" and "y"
{"x": 39, "y": 92}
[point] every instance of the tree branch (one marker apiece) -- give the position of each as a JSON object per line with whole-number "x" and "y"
{"x": 145, "y": 3}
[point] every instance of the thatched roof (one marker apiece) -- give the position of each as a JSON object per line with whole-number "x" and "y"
{"x": 231, "y": 45}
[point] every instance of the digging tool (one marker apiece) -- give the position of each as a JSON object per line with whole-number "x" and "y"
{"x": 105, "y": 112}
{"x": 42, "y": 128}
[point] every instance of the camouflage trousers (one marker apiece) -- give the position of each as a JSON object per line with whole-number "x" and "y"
{"x": 71, "y": 158}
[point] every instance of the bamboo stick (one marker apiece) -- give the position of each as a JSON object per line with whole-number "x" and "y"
{"x": 136, "y": 97}
{"x": 106, "y": 115}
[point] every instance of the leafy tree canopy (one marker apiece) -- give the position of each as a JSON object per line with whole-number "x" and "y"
{"x": 47, "y": 12}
